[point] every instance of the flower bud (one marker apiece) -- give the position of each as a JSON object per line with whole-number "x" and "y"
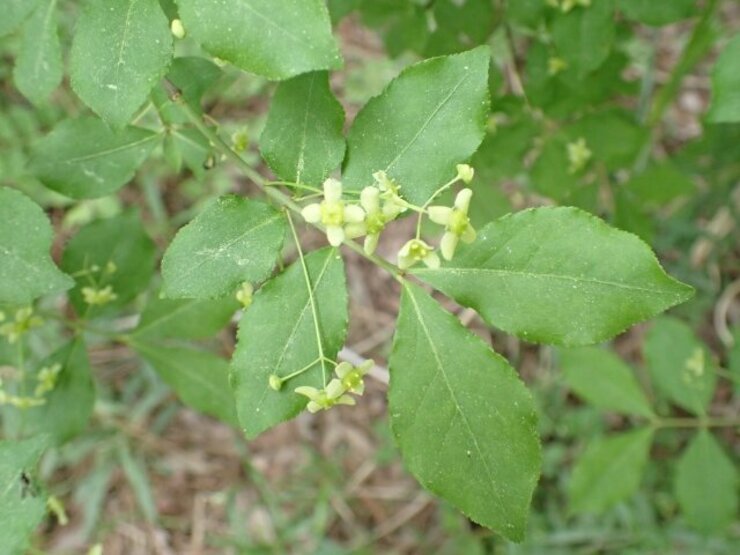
{"x": 177, "y": 28}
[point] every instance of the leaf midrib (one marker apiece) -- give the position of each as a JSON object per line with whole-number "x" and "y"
{"x": 113, "y": 150}
{"x": 458, "y": 408}
{"x": 427, "y": 122}
{"x": 37, "y": 65}
{"x": 616, "y": 463}
{"x": 560, "y": 277}
{"x": 225, "y": 247}
{"x": 314, "y": 289}
{"x": 153, "y": 354}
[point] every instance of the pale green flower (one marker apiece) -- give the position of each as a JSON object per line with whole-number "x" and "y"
{"x": 393, "y": 204}
{"x": 340, "y": 220}
{"x": 99, "y": 297}
{"x": 568, "y": 5}
{"x": 24, "y": 322}
{"x": 415, "y": 251}
{"x": 47, "y": 379}
{"x": 578, "y": 155}
{"x": 352, "y": 376}
{"x": 323, "y": 399}
{"x": 556, "y": 65}
{"x": 244, "y": 294}
{"x": 375, "y": 218}
{"x": 456, "y": 221}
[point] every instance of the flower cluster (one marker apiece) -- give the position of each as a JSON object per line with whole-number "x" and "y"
{"x": 24, "y": 321}
{"x": 567, "y": 5}
{"x": 578, "y": 155}
{"x": 46, "y": 381}
{"x": 380, "y": 204}
{"x": 95, "y": 296}
{"x": 349, "y": 380}
{"x": 244, "y": 294}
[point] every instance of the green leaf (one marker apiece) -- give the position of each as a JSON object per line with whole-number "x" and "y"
{"x": 342, "y": 8}
{"x": 302, "y": 140}
{"x": 604, "y": 380}
{"x": 558, "y": 275}
{"x": 429, "y": 118}
{"x": 550, "y": 173}
{"x": 14, "y": 13}
{"x": 232, "y": 241}
{"x": 501, "y": 154}
{"x": 69, "y": 405}
{"x": 186, "y": 318}
{"x": 119, "y": 53}
{"x": 115, "y": 252}
{"x": 84, "y": 158}
{"x": 584, "y": 36}
{"x": 659, "y": 185}
{"x": 38, "y": 67}
{"x": 657, "y": 12}
{"x": 22, "y": 505}
{"x": 725, "y": 106}
{"x": 200, "y": 378}
{"x": 613, "y": 136}
{"x": 464, "y": 421}
{"x": 26, "y": 269}
{"x": 274, "y": 38}
{"x": 277, "y": 335}
{"x": 527, "y": 13}
{"x": 680, "y": 365}
{"x": 609, "y": 471}
{"x": 706, "y": 485}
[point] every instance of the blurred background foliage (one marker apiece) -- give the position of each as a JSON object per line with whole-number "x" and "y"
{"x": 601, "y": 106}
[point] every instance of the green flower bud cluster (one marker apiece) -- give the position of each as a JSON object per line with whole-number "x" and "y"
{"x": 46, "y": 381}
{"x": 244, "y": 294}
{"x": 95, "y": 296}
{"x": 568, "y": 5}
{"x": 24, "y": 321}
{"x": 579, "y": 155}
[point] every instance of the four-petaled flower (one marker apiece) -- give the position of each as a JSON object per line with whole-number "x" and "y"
{"x": 415, "y": 251}
{"x": 323, "y": 399}
{"x": 375, "y": 219}
{"x": 351, "y": 377}
{"x": 393, "y": 204}
{"x": 339, "y": 219}
{"x": 456, "y": 222}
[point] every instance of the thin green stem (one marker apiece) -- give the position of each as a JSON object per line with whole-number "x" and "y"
{"x": 311, "y": 299}
{"x": 330, "y": 361}
{"x": 424, "y": 206}
{"x": 298, "y": 372}
{"x": 727, "y": 375}
{"x": 293, "y": 186}
{"x": 274, "y": 194}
